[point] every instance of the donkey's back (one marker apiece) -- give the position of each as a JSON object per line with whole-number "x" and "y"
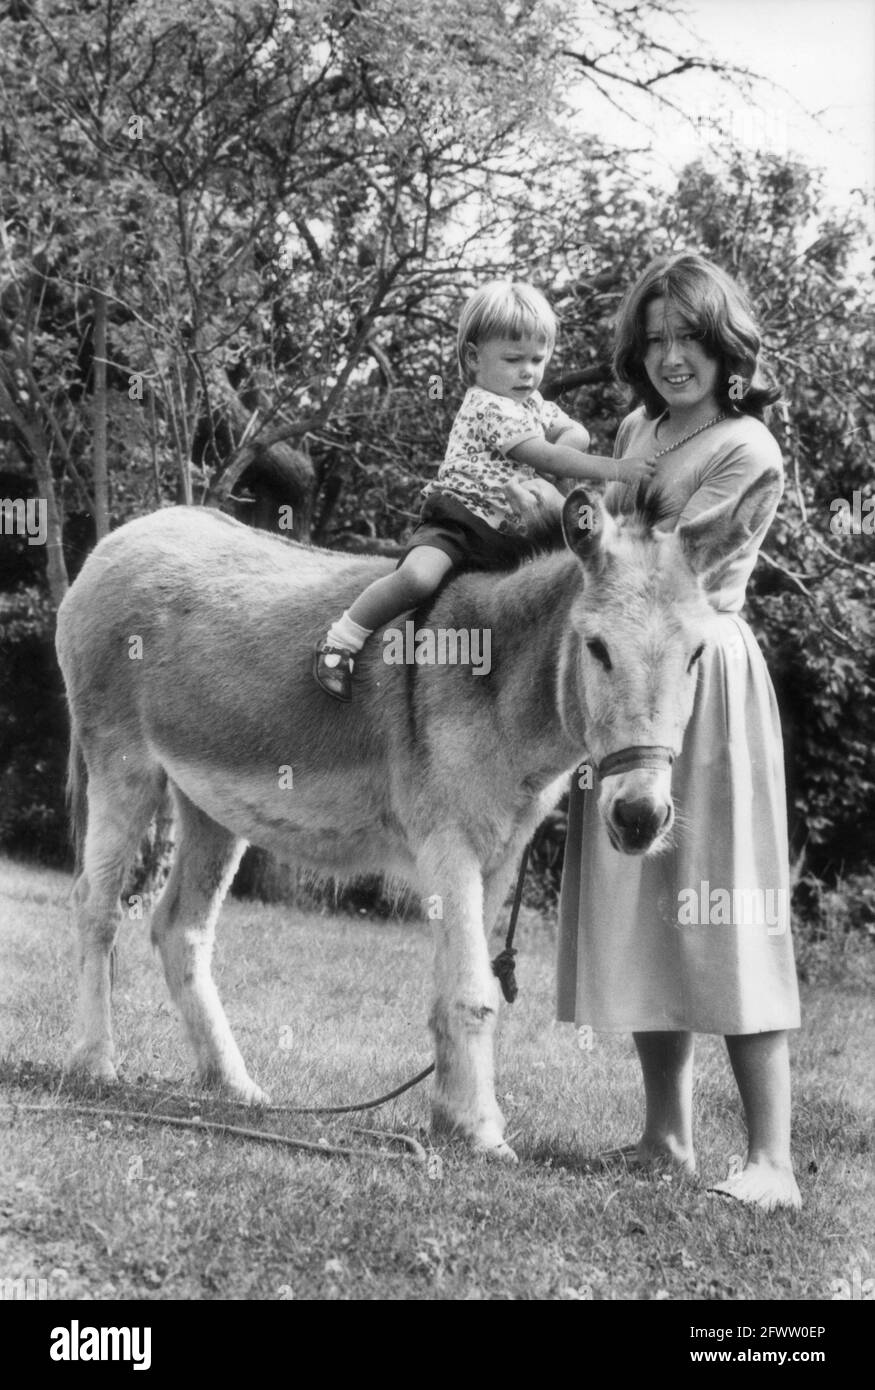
{"x": 186, "y": 646}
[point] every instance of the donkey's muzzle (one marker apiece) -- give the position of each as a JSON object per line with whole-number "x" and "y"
{"x": 637, "y": 807}
{"x": 639, "y": 822}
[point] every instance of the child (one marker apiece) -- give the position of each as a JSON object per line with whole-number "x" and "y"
{"x": 503, "y": 437}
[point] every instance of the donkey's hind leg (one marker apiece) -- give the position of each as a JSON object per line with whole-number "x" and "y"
{"x": 119, "y": 811}
{"x": 183, "y": 929}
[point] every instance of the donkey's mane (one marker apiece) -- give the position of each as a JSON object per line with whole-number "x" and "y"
{"x": 641, "y": 508}
{"x": 639, "y": 511}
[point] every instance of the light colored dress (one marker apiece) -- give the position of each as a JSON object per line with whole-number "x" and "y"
{"x": 476, "y": 468}
{"x": 696, "y": 939}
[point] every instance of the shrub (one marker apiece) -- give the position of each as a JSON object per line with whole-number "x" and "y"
{"x": 33, "y": 731}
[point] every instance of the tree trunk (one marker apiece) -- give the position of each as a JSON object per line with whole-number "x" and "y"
{"x": 35, "y": 447}
{"x": 101, "y": 472}
{"x": 56, "y": 565}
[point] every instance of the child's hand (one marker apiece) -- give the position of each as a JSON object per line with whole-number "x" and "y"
{"x": 536, "y": 502}
{"x": 635, "y": 470}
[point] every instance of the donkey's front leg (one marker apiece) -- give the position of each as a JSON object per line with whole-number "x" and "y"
{"x": 465, "y": 1008}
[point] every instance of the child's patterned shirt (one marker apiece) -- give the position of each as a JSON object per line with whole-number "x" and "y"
{"x": 476, "y": 468}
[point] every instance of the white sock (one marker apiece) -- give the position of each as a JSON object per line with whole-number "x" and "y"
{"x": 347, "y": 633}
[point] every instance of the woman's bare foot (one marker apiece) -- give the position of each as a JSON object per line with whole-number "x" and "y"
{"x": 761, "y": 1184}
{"x": 761, "y": 1063}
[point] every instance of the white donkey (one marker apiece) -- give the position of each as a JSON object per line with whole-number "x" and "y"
{"x": 186, "y": 645}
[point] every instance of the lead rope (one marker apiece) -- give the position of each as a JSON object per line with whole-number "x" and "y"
{"x": 503, "y": 966}
{"x": 261, "y": 1136}
{"x": 503, "y": 969}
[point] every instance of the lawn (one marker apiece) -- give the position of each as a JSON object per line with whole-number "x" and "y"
{"x": 329, "y": 1009}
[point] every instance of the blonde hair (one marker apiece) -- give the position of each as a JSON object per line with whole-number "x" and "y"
{"x": 503, "y": 309}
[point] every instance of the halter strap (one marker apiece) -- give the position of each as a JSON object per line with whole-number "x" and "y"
{"x": 630, "y": 759}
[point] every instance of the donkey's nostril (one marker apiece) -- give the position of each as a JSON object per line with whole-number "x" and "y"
{"x": 630, "y": 813}
{"x": 641, "y": 820}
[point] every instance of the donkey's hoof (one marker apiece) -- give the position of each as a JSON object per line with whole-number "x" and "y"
{"x": 244, "y": 1092}
{"x": 486, "y": 1136}
{"x": 499, "y": 1153}
{"x": 249, "y": 1094}
{"x": 91, "y": 1064}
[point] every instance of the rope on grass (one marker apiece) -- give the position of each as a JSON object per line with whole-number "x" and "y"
{"x": 266, "y": 1136}
{"x": 311, "y": 1109}
{"x": 348, "y": 1109}
{"x": 503, "y": 968}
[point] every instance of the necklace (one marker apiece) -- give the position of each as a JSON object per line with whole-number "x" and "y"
{"x": 692, "y": 434}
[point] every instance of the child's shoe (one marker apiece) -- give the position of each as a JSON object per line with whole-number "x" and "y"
{"x": 332, "y": 667}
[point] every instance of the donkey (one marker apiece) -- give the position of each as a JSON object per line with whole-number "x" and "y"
{"x": 185, "y": 645}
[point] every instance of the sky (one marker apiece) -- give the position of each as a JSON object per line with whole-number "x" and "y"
{"x": 820, "y": 54}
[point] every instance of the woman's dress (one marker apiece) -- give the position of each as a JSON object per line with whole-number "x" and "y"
{"x": 696, "y": 938}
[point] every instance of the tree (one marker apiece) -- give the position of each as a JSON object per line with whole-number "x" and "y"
{"x": 235, "y": 239}
{"x": 213, "y": 216}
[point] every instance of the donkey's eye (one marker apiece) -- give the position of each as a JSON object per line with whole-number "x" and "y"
{"x": 696, "y": 654}
{"x": 600, "y": 652}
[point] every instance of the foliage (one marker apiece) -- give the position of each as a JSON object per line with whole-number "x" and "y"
{"x": 33, "y": 730}
{"x": 277, "y": 210}
{"x": 247, "y": 192}
{"x": 835, "y": 928}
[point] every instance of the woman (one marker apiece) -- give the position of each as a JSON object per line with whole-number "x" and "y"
{"x": 634, "y": 954}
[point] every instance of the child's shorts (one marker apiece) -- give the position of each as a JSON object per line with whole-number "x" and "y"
{"x": 469, "y": 542}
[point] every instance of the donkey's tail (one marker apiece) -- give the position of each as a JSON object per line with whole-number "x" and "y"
{"x": 77, "y": 798}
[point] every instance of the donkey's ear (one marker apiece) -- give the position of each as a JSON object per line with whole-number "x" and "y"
{"x": 584, "y": 525}
{"x": 713, "y": 538}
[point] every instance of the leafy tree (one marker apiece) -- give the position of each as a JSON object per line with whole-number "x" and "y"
{"x": 236, "y": 237}
{"x": 212, "y": 215}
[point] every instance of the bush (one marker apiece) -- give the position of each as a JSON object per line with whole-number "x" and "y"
{"x": 825, "y": 694}
{"x": 264, "y": 878}
{"x": 835, "y": 929}
{"x": 33, "y": 731}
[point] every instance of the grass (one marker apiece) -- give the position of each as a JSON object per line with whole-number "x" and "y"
{"x": 329, "y": 1009}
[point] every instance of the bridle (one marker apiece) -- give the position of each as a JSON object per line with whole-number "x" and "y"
{"x": 631, "y": 759}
